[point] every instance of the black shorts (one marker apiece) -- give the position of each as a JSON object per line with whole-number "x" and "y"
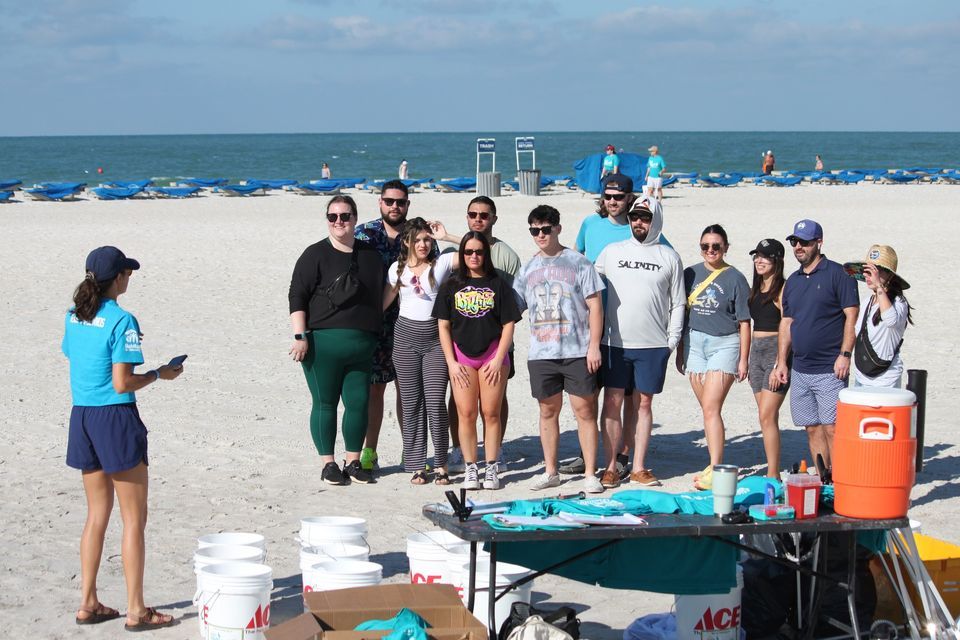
{"x": 550, "y": 377}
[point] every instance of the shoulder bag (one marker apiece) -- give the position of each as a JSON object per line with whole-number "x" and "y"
{"x": 868, "y": 362}
{"x": 341, "y": 291}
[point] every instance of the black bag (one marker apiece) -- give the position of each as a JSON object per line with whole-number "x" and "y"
{"x": 339, "y": 292}
{"x": 868, "y": 362}
{"x": 563, "y": 618}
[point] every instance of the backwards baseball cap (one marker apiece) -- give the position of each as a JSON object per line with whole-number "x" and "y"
{"x": 617, "y": 182}
{"x": 105, "y": 263}
{"x": 769, "y": 248}
{"x": 806, "y": 230}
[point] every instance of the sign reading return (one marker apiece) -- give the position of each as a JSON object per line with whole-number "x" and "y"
{"x": 525, "y": 144}
{"x": 486, "y": 145}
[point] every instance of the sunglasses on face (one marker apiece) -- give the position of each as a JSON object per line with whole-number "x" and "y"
{"x": 619, "y": 197}
{"x": 470, "y": 252}
{"x": 707, "y": 246}
{"x": 484, "y": 215}
{"x": 642, "y": 216}
{"x": 400, "y": 202}
{"x": 803, "y": 243}
{"x": 545, "y": 230}
{"x": 344, "y": 217}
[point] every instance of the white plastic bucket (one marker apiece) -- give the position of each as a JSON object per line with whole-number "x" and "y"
{"x": 232, "y": 539}
{"x": 340, "y": 574}
{"x": 429, "y": 554}
{"x": 457, "y": 558}
{"x": 218, "y": 553}
{"x": 506, "y": 574}
{"x": 233, "y": 600}
{"x": 310, "y": 556}
{"x": 319, "y": 530}
{"x": 715, "y": 615}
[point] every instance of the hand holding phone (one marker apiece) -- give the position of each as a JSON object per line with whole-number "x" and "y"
{"x": 177, "y": 362}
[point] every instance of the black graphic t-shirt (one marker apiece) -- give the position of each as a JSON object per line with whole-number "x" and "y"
{"x": 477, "y": 310}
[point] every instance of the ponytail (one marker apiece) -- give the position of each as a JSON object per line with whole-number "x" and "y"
{"x": 86, "y": 298}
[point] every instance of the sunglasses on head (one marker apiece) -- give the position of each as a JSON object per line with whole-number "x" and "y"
{"x": 484, "y": 215}
{"x": 706, "y": 246}
{"x": 344, "y": 217}
{"x": 614, "y": 196}
{"x": 546, "y": 229}
{"x": 643, "y": 216}
{"x": 400, "y": 202}
{"x": 470, "y": 252}
{"x": 803, "y": 243}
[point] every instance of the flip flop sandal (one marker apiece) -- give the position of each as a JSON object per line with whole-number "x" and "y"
{"x": 419, "y": 477}
{"x": 147, "y": 621}
{"x": 101, "y": 613}
{"x": 442, "y": 479}
{"x": 705, "y": 481}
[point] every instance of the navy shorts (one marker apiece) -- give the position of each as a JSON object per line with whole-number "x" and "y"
{"x": 643, "y": 370}
{"x": 111, "y": 438}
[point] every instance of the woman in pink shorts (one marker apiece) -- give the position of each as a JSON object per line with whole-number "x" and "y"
{"x": 476, "y": 310}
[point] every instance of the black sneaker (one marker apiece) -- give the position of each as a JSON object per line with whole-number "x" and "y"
{"x": 623, "y": 467}
{"x": 357, "y": 473}
{"x": 572, "y": 467}
{"x": 331, "y": 474}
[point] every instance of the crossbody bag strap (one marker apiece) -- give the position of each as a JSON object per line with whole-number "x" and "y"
{"x": 703, "y": 285}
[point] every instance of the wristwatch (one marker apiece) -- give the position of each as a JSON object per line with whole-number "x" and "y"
{"x": 846, "y": 354}
{"x": 300, "y": 336}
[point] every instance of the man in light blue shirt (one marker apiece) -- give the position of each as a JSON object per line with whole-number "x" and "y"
{"x": 654, "y": 176}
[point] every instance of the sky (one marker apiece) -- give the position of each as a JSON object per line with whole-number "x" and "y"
{"x": 99, "y": 67}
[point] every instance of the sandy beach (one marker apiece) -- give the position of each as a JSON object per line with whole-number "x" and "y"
{"x": 229, "y": 441}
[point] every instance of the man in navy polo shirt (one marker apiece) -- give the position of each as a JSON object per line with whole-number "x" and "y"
{"x": 820, "y": 306}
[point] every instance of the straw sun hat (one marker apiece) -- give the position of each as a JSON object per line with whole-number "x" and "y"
{"x": 882, "y": 256}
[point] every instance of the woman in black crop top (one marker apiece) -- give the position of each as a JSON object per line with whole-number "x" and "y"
{"x": 765, "y": 310}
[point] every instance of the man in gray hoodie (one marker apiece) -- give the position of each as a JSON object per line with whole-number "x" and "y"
{"x": 643, "y": 321}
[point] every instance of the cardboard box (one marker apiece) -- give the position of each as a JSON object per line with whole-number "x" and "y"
{"x": 334, "y": 614}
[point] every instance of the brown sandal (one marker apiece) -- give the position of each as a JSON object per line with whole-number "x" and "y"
{"x": 152, "y": 619}
{"x": 442, "y": 479}
{"x": 419, "y": 477}
{"x": 100, "y": 613}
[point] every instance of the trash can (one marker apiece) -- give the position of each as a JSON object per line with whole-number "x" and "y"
{"x": 530, "y": 182}
{"x": 488, "y": 184}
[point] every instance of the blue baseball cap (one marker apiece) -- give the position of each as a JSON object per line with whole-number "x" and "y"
{"x": 806, "y": 230}
{"x": 107, "y": 262}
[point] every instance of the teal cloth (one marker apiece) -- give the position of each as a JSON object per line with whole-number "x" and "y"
{"x": 750, "y": 491}
{"x": 405, "y": 620}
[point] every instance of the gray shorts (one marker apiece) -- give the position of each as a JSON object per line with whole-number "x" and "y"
{"x": 814, "y": 398}
{"x": 763, "y": 357}
{"x": 550, "y": 377}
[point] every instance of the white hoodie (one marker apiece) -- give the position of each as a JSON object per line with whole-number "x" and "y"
{"x": 645, "y": 295}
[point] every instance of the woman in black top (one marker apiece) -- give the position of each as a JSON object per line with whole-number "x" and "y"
{"x": 766, "y": 295}
{"x": 336, "y": 295}
{"x": 477, "y": 311}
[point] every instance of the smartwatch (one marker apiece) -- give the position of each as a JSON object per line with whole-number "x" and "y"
{"x": 846, "y": 354}
{"x": 300, "y": 336}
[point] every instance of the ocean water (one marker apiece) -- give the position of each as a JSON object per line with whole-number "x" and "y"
{"x": 444, "y": 155}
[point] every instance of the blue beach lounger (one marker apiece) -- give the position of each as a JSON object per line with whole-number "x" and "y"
{"x": 898, "y": 178}
{"x": 240, "y": 190}
{"x": 319, "y": 188}
{"x": 672, "y": 180}
{"x": 48, "y": 194}
{"x": 126, "y": 184}
{"x": 122, "y": 193}
{"x": 273, "y": 184}
{"x": 779, "y": 181}
{"x": 457, "y": 184}
{"x": 63, "y": 186}
{"x": 202, "y": 182}
{"x": 9, "y": 185}
{"x": 6, "y": 196}
{"x": 726, "y": 180}
{"x": 172, "y": 192}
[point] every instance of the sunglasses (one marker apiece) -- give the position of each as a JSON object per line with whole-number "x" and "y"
{"x": 400, "y": 202}
{"x": 417, "y": 289}
{"x": 545, "y": 230}
{"x": 484, "y": 215}
{"x": 803, "y": 243}
{"x": 614, "y": 196}
{"x": 344, "y": 217}
{"x": 707, "y": 246}
{"x": 643, "y": 216}
{"x": 470, "y": 252}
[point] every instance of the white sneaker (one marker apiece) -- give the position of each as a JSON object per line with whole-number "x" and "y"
{"x": 592, "y": 484}
{"x": 490, "y": 479}
{"x": 545, "y": 481}
{"x": 455, "y": 461}
{"x": 471, "y": 477}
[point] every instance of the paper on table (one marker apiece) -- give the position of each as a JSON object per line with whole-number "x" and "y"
{"x": 536, "y": 521}
{"x": 623, "y": 520}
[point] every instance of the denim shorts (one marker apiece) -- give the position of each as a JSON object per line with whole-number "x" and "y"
{"x": 703, "y": 352}
{"x": 643, "y": 370}
{"x": 111, "y": 438}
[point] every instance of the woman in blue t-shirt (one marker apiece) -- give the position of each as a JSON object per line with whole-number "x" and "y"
{"x": 107, "y": 439}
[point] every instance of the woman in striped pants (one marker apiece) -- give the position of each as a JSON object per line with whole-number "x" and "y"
{"x": 417, "y": 355}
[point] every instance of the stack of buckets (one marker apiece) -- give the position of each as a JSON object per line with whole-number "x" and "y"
{"x": 441, "y": 557}
{"x": 233, "y": 585}
{"x": 713, "y": 615}
{"x": 874, "y": 452}
{"x": 334, "y": 554}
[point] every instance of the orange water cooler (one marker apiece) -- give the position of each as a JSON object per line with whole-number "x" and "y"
{"x": 874, "y": 452}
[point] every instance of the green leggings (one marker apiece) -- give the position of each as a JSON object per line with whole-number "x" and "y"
{"x": 337, "y": 365}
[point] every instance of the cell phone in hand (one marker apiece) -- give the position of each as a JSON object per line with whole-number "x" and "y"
{"x": 176, "y": 362}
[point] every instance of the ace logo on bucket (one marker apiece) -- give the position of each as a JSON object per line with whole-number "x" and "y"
{"x": 260, "y": 619}
{"x": 720, "y": 620}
